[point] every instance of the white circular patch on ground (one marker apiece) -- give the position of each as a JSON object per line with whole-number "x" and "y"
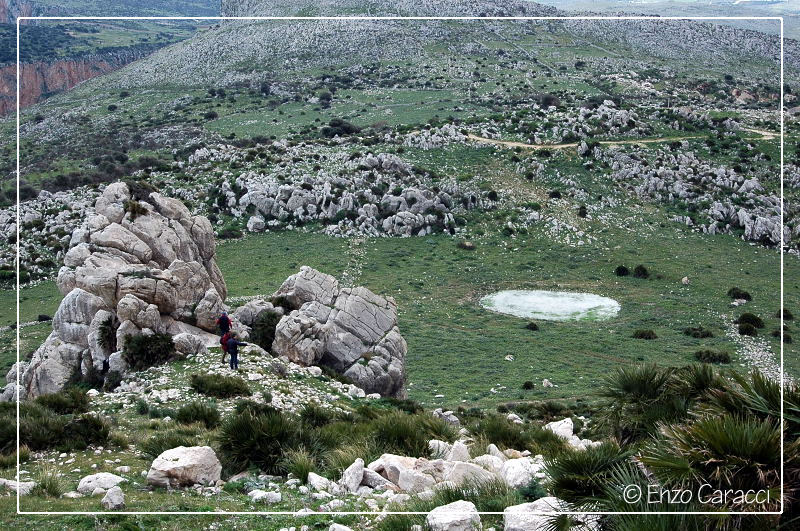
{"x": 552, "y": 305}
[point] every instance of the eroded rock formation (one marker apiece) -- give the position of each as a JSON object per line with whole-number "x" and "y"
{"x": 350, "y": 330}
{"x": 144, "y": 264}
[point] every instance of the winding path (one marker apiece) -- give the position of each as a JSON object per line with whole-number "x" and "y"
{"x": 764, "y": 135}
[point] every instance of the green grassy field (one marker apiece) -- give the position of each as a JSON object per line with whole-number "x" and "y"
{"x": 457, "y": 349}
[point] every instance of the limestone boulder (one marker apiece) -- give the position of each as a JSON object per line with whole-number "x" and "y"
{"x": 457, "y": 516}
{"x": 350, "y": 330}
{"x": 101, "y": 480}
{"x": 185, "y": 466}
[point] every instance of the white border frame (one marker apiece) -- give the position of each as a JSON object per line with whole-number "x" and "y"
{"x": 364, "y": 18}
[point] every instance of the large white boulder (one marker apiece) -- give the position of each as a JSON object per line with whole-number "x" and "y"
{"x": 185, "y": 466}
{"x": 518, "y": 473}
{"x": 534, "y": 516}
{"x": 456, "y": 516}
{"x": 102, "y": 480}
{"x": 114, "y": 499}
{"x": 352, "y": 476}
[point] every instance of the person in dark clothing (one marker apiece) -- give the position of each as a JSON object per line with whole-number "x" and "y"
{"x": 223, "y": 341}
{"x": 224, "y": 323}
{"x": 233, "y": 350}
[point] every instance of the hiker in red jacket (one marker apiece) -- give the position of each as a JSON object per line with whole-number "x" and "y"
{"x": 224, "y": 323}
{"x": 224, "y": 342}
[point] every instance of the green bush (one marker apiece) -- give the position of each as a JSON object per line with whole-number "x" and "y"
{"x": 400, "y": 433}
{"x": 219, "y": 386}
{"x": 641, "y": 271}
{"x": 786, "y": 314}
{"x": 159, "y": 443}
{"x": 248, "y": 440}
{"x": 698, "y": 332}
{"x": 263, "y": 333}
{"x": 48, "y": 483}
{"x": 299, "y": 462}
{"x": 712, "y": 356}
{"x": 107, "y": 335}
{"x": 527, "y": 385}
{"x": 315, "y": 416}
{"x": 43, "y": 429}
{"x": 69, "y": 401}
{"x": 736, "y": 293}
{"x": 533, "y": 491}
{"x": 644, "y": 334}
{"x": 198, "y": 412}
{"x": 140, "y": 189}
{"x": 119, "y": 440}
{"x": 500, "y": 431}
{"x": 622, "y": 271}
{"x": 143, "y": 351}
{"x": 532, "y": 326}
{"x": 750, "y": 318}
{"x": 112, "y": 380}
{"x": 255, "y": 408}
{"x": 579, "y": 476}
{"x": 746, "y": 329}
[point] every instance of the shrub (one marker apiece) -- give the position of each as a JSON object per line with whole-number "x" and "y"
{"x": 263, "y": 333}
{"x": 107, "y": 337}
{"x": 786, "y": 314}
{"x": 119, "y": 439}
{"x": 532, "y": 326}
{"x": 254, "y": 408}
{"x": 66, "y": 402}
{"x": 299, "y": 463}
{"x": 161, "y": 442}
{"x": 198, "y": 412}
{"x": 712, "y": 356}
{"x": 247, "y": 440}
{"x": 315, "y": 416}
{"x": 85, "y": 430}
{"x": 582, "y": 212}
{"x": 750, "y": 318}
{"x": 622, "y": 271}
{"x": 142, "y": 407}
{"x": 501, "y": 432}
{"x": 644, "y": 334}
{"x": 219, "y": 386}
{"x": 141, "y": 352}
{"x": 135, "y": 209}
{"x": 698, "y": 332}
{"x": 140, "y": 189}
{"x": 746, "y": 329}
{"x": 736, "y": 293}
{"x": 42, "y": 429}
{"x": 554, "y": 194}
{"x": 533, "y": 491}
{"x": 400, "y": 433}
{"x": 527, "y": 385}
{"x": 640, "y": 271}
{"x": 580, "y": 475}
{"x": 48, "y": 483}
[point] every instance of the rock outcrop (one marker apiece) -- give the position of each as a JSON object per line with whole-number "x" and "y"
{"x": 143, "y": 264}
{"x": 350, "y": 330}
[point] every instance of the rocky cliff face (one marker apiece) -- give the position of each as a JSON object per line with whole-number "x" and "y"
{"x": 144, "y": 264}
{"x": 42, "y": 79}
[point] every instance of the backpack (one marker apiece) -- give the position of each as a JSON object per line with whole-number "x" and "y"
{"x": 224, "y": 341}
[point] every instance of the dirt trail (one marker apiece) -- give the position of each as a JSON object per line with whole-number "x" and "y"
{"x": 765, "y": 135}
